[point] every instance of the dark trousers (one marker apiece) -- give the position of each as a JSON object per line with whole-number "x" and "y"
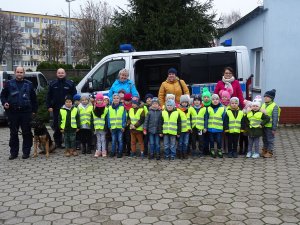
{"x": 215, "y": 137}
{"x": 233, "y": 139}
{"x": 57, "y": 135}
{"x": 86, "y": 137}
{"x": 146, "y": 143}
{"x": 127, "y": 141}
{"x": 243, "y": 143}
{"x": 17, "y": 120}
{"x": 196, "y": 137}
{"x": 206, "y": 143}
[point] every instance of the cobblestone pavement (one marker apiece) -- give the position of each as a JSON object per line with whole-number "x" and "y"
{"x": 84, "y": 190}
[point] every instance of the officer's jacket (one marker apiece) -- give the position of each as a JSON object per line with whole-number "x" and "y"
{"x": 20, "y": 96}
{"x": 58, "y": 90}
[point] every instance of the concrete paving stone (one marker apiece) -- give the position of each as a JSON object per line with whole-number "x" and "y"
{"x": 42, "y": 223}
{"x": 162, "y": 223}
{"x": 168, "y": 218}
{"x": 200, "y": 220}
{"x": 137, "y": 215}
{"x": 125, "y": 209}
{"x": 81, "y": 220}
{"x": 206, "y": 208}
{"x": 114, "y": 204}
{"x": 272, "y": 220}
{"x": 14, "y": 220}
{"x": 100, "y": 219}
{"x": 119, "y": 216}
{"x": 24, "y": 213}
{"x": 52, "y": 216}
{"x": 186, "y": 216}
{"x": 61, "y": 222}
{"x": 236, "y": 217}
{"x": 44, "y": 211}
{"x": 142, "y": 208}
{"x": 107, "y": 211}
{"x": 182, "y": 222}
{"x": 130, "y": 222}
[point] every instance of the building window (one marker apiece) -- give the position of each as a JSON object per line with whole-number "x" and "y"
{"x": 22, "y": 18}
{"x": 36, "y": 19}
{"x": 3, "y": 62}
{"x": 45, "y": 20}
{"x": 257, "y": 68}
{"x": 16, "y": 63}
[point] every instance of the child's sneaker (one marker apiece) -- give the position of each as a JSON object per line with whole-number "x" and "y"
{"x": 111, "y": 154}
{"x": 104, "y": 153}
{"x": 151, "y": 156}
{"x": 97, "y": 154}
{"x": 132, "y": 154}
{"x": 234, "y": 155}
{"x": 212, "y": 153}
{"x": 142, "y": 155}
{"x": 158, "y": 157}
{"x": 249, "y": 154}
{"x": 172, "y": 158}
{"x": 268, "y": 154}
{"x": 255, "y": 155}
{"x": 220, "y": 153}
{"x": 119, "y": 155}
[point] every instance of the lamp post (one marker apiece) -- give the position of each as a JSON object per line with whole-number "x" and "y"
{"x": 68, "y": 42}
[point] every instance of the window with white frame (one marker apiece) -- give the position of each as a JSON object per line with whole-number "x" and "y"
{"x": 257, "y": 67}
{"x": 4, "y": 62}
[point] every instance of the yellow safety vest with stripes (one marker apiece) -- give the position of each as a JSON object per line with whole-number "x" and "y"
{"x": 215, "y": 120}
{"x": 115, "y": 117}
{"x": 85, "y": 115}
{"x": 135, "y": 117}
{"x": 170, "y": 122}
{"x": 99, "y": 122}
{"x": 197, "y": 118}
{"x": 63, "y": 114}
{"x": 185, "y": 120}
{"x": 254, "y": 119}
{"x": 269, "y": 109}
{"x": 235, "y": 123}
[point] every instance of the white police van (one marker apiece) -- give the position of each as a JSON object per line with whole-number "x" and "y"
{"x": 198, "y": 67}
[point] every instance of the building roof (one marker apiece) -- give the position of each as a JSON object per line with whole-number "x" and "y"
{"x": 251, "y": 15}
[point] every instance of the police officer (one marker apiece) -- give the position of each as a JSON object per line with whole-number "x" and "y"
{"x": 19, "y": 100}
{"x": 58, "y": 90}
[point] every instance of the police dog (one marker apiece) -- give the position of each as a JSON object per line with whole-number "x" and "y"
{"x": 41, "y": 138}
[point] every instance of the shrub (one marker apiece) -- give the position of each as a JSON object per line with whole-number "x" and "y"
{"x": 42, "y": 112}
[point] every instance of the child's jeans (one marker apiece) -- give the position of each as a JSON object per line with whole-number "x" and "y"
{"x": 170, "y": 145}
{"x": 268, "y": 139}
{"x": 215, "y": 137}
{"x": 253, "y": 141}
{"x": 136, "y": 135}
{"x": 154, "y": 144}
{"x": 101, "y": 140}
{"x": 117, "y": 137}
{"x": 233, "y": 139}
{"x": 70, "y": 139}
{"x": 196, "y": 136}
{"x": 183, "y": 142}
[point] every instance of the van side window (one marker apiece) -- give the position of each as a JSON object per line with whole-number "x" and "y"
{"x": 113, "y": 69}
{"x": 98, "y": 78}
{"x": 43, "y": 81}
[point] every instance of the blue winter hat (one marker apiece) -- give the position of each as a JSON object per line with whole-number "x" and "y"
{"x": 76, "y": 97}
{"x": 172, "y": 70}
{"x": 170, "y": 102}
{"x": 149, "y": 95}
{"x": 136, "y": 102}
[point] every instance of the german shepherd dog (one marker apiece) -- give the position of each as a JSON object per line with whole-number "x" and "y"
{"x": 41, "y": 138}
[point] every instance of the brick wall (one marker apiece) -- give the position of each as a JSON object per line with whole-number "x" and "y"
{"x": 290, "y": 115}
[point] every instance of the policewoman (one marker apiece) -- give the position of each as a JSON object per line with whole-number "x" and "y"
{"x": 57, "y": 91}
{"x": 19, "y": 100}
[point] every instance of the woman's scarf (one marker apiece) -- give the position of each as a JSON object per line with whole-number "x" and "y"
{"x": 228, "y": 82}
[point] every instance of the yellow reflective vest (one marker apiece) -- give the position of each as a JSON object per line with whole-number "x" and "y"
{"x": 115, "y": 117}
{"x": 234, "y": 123}
{"x": 170, "y": 122}
{"x": 215, "y": 120}
{"x": 185, "y": 120}
{"x": 63, "y": 114}
{"x": 85, "y": 115}
{"x": 254, "y": 119}
{"x": 197, "y": 118}
{"x": 134, "y": 117}
{"x": 99, "y": 122}
{"x": 269, "y": 109}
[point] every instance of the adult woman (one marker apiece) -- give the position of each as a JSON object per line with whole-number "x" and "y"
{"x": 173, "y": 85}
{"x": 123, "y": 84}
{"x": 230, "y": 84}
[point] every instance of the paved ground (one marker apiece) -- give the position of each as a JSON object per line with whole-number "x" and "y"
{"x": 84, "y": 190}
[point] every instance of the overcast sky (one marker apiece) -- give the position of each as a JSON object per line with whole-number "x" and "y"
{"x": 60, "y": 7}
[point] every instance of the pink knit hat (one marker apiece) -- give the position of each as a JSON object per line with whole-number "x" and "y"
{"x": 99, "y": 96}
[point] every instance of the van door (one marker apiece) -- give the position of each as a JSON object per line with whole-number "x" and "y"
{"x": 206, "y": 67}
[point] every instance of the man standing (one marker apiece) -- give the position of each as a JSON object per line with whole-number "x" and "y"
{"x": 58, "y": 90}
{"x": 19, "y": 100}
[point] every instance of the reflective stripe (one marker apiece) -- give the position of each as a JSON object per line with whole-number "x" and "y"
{"x": 99, "y": 122}
{"x": 135, "y": 117}
{"x": 170, "y": 122}
{"x": 254, "y": 119}
{"x": 269, "y": 109}
{"x": 116, "y": 116}
{"x": 235, "y": 123}
{"x": 63, "y": 114}
{"x": 185, "y": 120}
{"x": 197, "y": 118}
{"x": 85, "y": 115}
{"x": 215, "y": 120}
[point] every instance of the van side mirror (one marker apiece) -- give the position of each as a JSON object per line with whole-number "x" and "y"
{"x": 90, "y": 84}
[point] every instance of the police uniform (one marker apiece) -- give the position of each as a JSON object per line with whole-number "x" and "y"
{"x": 58, "y": 90}
{"x": 21, "y": 97}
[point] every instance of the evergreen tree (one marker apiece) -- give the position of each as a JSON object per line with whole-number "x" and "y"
{"x": 161, "y": 24}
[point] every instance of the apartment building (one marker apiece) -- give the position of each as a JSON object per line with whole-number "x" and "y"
{"x": 29, "y": 55}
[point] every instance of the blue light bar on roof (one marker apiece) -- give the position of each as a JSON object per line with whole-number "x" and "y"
{"x": 126, "y": 48}
{"x": 227, "y": 42}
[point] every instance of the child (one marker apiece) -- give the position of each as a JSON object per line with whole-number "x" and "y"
{"x": 108, "y": 133}
{"x": 255, "y": 120}
{"x": 234, "y": 124}
{"x": 148, "y": 101}
{"x": 170, "y": 127}
{"x": 121, "y": 94}
{"x": 99, "y": 121}
{"x": 216, "y": 114}
{"x": 127, "y": 140}
{"x": 116, "y": 122}
{"x": 69, "y": 123}
{"x": 206, "y": 101}
{"x": 106, "y": 100}
{"x": 185, "y": 126}
{"x": 170, "y": 97}
{"x": 85, "y": 112}
{"x": 199, "y": 119}
{"x": 225, "y": 97}
{"x": 152, "y": 128}
{"x": 273, "y": 111}
{"x": 136, "y": 118}
{"x": 76, "y": 100}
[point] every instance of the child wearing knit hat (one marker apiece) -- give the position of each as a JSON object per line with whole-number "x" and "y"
{"x": 273, "y": 111}
{"x": 224, "y": 97}
{"x": 199, "y": 119}
{"x": 170, "y": 129}
{"x": 216, "y": 113}
{"x": 234, "y": 124}
{"x": 127, "y": 137}
{"x": 206, "y": 101}
{"x": 255, "y": 122}
{"x": 99, "y": 116}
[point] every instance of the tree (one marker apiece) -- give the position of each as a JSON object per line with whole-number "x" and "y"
{"x": 228, "y": 19}
{"x": 161, "y": 24}
{"x": 89, "y": 24}
{"x": 52, "y": 42}
{"x": 10, "y": 36}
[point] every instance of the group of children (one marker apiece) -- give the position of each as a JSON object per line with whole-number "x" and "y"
{"x": 198, "y": 123}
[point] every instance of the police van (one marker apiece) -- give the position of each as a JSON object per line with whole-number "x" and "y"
{"x": 198, "y": 67}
